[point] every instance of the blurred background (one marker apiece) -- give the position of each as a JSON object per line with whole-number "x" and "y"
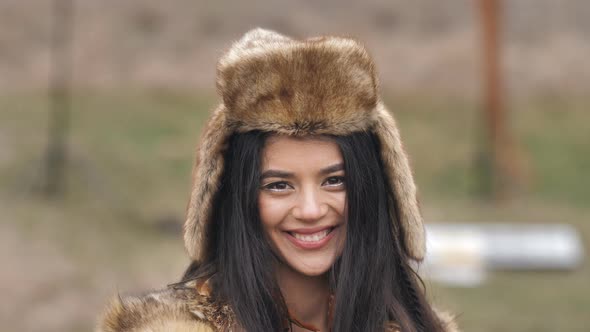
{"x": 102, "y": 102}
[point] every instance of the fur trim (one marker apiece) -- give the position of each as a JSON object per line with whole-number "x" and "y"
{"x": 324, "y": 85}
{"x": 184, "y": 309}
{"x": 448, "y": 320}
{"x": 318, "y": 86}
{"x": 401, "y": 180}
{"x": 188, "y": 308}
{"x": 207, "y": 173}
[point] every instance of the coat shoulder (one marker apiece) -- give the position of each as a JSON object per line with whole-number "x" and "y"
{"x": 187, "y": 308}
{"x": 174, "y": 309}
{"x": 448, "y": 320}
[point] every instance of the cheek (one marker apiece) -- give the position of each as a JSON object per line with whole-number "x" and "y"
{"x": 272, "y": 211}
{"x": 338, "y": 203}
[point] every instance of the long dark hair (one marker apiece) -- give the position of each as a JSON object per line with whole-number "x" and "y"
{"x": 372, "y": 280}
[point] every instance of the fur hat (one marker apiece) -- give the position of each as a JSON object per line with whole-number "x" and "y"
{"x": 323, "y": 85}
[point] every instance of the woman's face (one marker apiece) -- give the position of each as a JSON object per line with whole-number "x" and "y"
{"x": 302, "y": 201}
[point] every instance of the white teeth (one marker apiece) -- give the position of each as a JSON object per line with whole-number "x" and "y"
{"x": 315, "y": 237}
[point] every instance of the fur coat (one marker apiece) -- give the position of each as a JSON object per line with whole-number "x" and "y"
{"x": 186, "y": 307}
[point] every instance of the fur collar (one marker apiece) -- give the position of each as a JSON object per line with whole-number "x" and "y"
{"x": 186, "y": 307}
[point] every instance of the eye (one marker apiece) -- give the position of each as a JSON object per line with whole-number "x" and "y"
{"x": 277, "y": 186}
{"x": 334, "y": 181}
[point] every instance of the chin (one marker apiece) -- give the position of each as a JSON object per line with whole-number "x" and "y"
{"x": 310, "y": 266}
{"x": 313, "y": 271}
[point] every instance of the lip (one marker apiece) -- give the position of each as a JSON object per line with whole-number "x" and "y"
{"x": 311, "y": 245}
{"x": 310, "y": 230}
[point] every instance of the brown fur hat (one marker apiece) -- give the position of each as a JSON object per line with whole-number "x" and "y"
{"x": 324, "y": 85}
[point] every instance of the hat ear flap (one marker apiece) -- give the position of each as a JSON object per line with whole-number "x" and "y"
{"x": 401, "y": 180}
{"x": 207, "y": 172}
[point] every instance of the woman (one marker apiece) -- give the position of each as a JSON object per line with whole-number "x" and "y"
{"x": 303, "y": 214}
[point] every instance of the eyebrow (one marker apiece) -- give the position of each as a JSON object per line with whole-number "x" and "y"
{"x": 332, "y": 169}
{"x": 273, "y": 173}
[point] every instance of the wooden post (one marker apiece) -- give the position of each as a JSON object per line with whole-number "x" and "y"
{"x": 494, "y": 165}
{"x": 59, "y": 95}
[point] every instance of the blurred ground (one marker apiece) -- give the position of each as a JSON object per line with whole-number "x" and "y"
{"x": 418, "y": 45}
{"x": 131, "y": 152}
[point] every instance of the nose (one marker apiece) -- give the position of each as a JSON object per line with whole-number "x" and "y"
{"x": 309, "y": 206}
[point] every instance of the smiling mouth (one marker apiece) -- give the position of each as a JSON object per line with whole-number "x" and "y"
{"x": 315, "y": 237}
{"x": 311, "y": 240}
